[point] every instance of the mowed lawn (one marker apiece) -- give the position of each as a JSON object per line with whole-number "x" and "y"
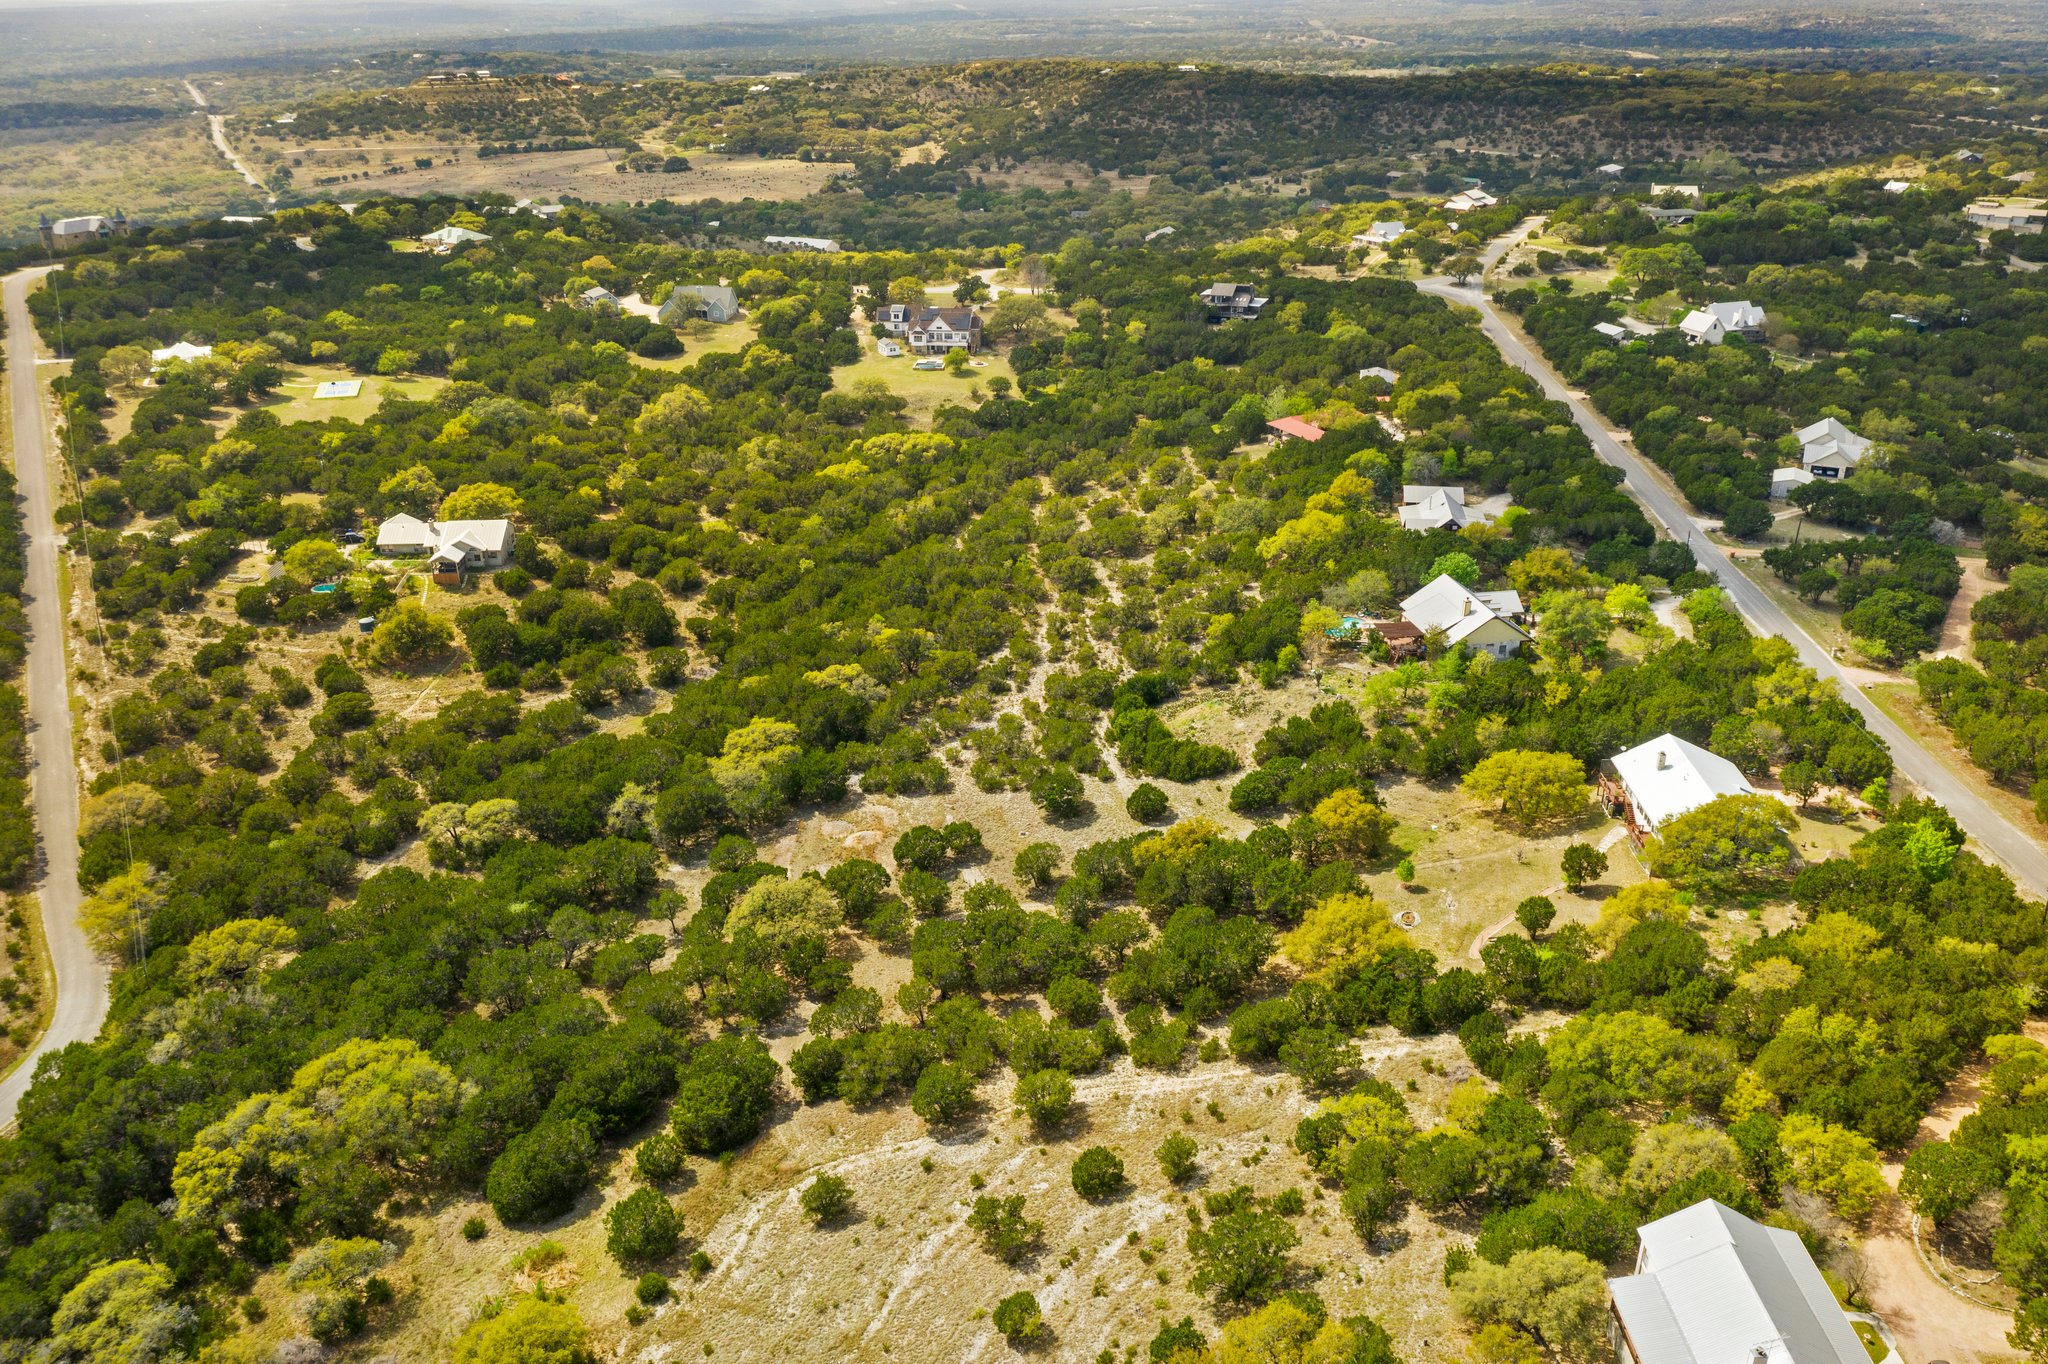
{"x": 923, "y": 389}
{"x": 705, "y": 338}
{"x": 295, "y": 402}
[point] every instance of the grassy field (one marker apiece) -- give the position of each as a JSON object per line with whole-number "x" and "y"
{"x": 923, "y": 389}
{"x": 295, "y": 401}
{"x": 706, "y": 338}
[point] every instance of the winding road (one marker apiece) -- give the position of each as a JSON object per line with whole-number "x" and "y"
{"x": 2010, "y": 847}
{"x": 53, "y": 769}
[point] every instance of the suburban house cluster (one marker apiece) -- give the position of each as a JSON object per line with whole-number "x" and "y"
{"x": 451, "y": 548}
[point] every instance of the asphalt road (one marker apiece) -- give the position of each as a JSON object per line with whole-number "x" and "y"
{"x": 53, "y": 771}
{"x": 2013, "y": 849}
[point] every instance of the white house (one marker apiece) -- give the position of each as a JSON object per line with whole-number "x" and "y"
{"x": 893, "y": 318}
{"x": 1715, "y": 323}
{"x": 1427, "y": 507}
{"x": 1713, "y": 1287}
{"x": 933, "y": 330}
{"x": 1156, "y": 233}
{"x": 1828, "y": 449}
{"x": 1897, "y": 186}
{"x": 598, "y": 297}
{"x": 2025, "y": 216}
{"x": 1464, "y": 201}
{"x": 1390, "y": 377}
{"x": 1611, "y": 168}
{"x": 1612, "y": 331}
{"x": 1656, "y": 782}
{"x": 804, "y": 243}
{"x": 1486, "y": 622}
{"x": 887, "y": 349}
{"x": 446, "y": 239}
{"x": 1688, "y": 191}
{"x": 451, "y": 548}
{"x": 1381, "y": 233}
{"x": 182, "y": 350}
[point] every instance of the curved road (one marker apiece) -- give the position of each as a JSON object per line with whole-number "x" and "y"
{"x": 53, "y": 770}
{"x": 2013, "y": 849}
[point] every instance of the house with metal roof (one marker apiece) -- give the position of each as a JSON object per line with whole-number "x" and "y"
{"x": 1486, "y": 622}
{"x": 443, "y": 240}
{"x": 177, "y": 351}
{"x": 1225, "y": 301}
{"x": 1828, "y": 449}
{"x": 1655, "y": 782}
{"x": 1715, "y": 323}
{"x": 451, "y": 548}
{"x": 1428, "y": 507}
{"x": 1713, "y": 1287}
{"x": 66, "y": 233}
{"x": 1293, "y": 428}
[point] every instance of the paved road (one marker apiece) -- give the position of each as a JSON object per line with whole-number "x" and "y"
{"x": 53, "y": 771}
{"x": 216, "y": 125}
{"x": 2013, "y": 849}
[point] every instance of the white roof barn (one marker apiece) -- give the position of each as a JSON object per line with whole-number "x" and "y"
{"x": 1464, "y": 201}
{"x": 1380, "y": 233}
{"x": 1897, "y": 186}
{"x": 1713, "y": 1287}
{"x": 1611, "y": 168}
{"x": 181, "y": 350}
{"x": 1829, "y": 449}
{"x": 1483, "y": 620}
{"x": 1668, "y": 777}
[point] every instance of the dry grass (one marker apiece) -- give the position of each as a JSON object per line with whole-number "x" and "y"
{"x": 549, "y": 175}
{"x": 164, "y": 170}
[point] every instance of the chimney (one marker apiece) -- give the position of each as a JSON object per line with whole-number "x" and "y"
{"x": 1466, "y": 604}
{"x": 1759, "y": 1355}
{"x": 1664, "y": 763}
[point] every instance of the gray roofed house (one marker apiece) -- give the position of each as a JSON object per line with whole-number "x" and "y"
{"x": 1713, "y": 1287}
{"x": 712, "y": 302}
{"x": 1226, "y": 301}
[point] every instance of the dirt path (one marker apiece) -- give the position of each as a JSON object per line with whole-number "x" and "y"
{"x": 1955, "y": 628}
{"x": 1930, "y": 1320}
